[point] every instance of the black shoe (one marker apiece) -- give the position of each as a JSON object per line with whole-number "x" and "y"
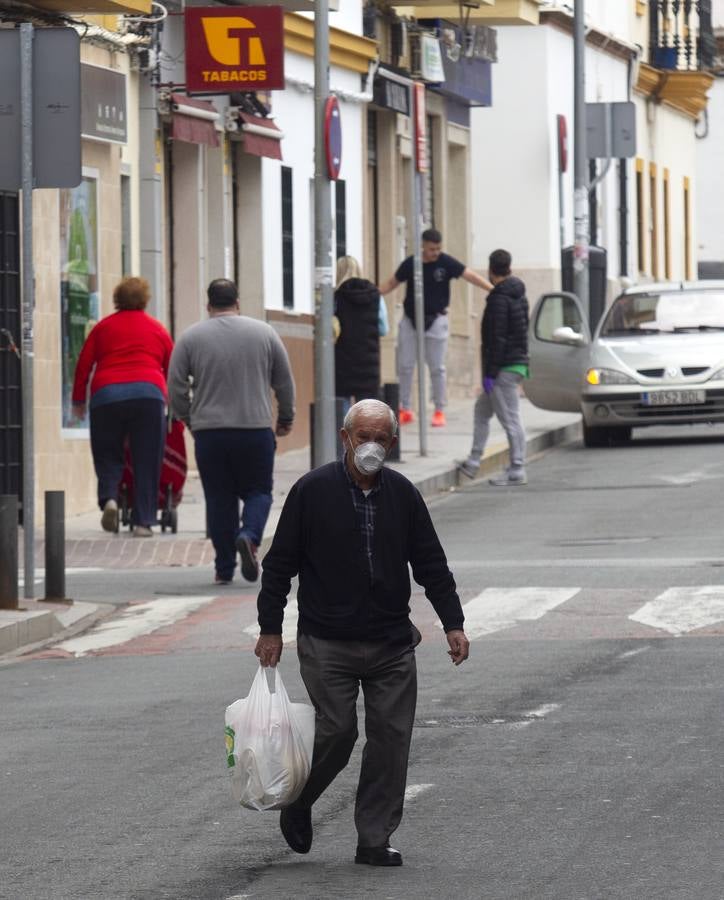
{"x": 296, "y": 826}
{"x": 378, "y": 856}
{"x": 247, "y": 552}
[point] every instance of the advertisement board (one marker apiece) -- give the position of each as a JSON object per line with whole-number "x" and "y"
{"x": 227, "y": 52}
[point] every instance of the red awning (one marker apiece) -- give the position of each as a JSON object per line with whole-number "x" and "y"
{"x": 193, "y": 121}
{"x": 261, "y": 136}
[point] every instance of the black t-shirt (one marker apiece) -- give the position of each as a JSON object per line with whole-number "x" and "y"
{"x": 435, "y": 285}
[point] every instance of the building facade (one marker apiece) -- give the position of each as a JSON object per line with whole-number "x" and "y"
{"x": 710, "y": 162}
{"x": 642, "y": 210}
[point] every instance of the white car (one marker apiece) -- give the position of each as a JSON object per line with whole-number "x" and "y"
{"x": 656, "y": 358}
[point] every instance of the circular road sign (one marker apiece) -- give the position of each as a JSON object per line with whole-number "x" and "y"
{"x": 333, "y": 137}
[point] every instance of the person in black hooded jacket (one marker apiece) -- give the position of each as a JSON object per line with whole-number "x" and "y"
{"x": 504, "y": 345}
{"x": 362, "y": 319}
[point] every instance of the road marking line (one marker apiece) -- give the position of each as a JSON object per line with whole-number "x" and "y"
{"x": 683, "y": 609}
{"x": 289, "y": 627}
{"x": 414, "y": 790}
{"x": 498, "y": 608}
{"x": 134, "y": 621}
{"x": 536, "y": 715}
{"x": 542, "y": 711}
{"x": 629, "y": 653}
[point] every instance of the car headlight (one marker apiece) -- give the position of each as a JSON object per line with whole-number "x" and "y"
{"x": 717, "y": 376}
{"x": 608, "y": 376}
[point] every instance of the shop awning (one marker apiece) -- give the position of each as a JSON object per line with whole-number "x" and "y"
{"x": 261, "y": 136}
{"x": 193, "y": 121}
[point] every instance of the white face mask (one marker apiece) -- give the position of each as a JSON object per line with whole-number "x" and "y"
{"x": 369, "y": 458}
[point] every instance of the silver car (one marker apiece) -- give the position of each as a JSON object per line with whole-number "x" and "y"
{"x": 656, "y": 358}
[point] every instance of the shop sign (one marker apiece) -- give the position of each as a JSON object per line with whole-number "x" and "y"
{"x": 431, "y": 67}
{"x": 227, "y": 52}
{"x": 389, "y": 94}
{"x": 103, "y": 104}
{"x": 421, "y": 160}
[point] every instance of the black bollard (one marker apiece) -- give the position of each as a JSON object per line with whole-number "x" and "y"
{"x": 8, "y": 551}
{"x": 55, "y": 545}
{"x": 391, "y": 396}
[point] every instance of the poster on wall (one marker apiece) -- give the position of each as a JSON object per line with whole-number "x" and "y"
{"x": 79, "y": 300}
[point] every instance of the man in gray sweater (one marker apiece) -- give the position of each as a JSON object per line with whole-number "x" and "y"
{"x": 220, "y": 379}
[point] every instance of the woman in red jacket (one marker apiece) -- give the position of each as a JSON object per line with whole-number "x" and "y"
{"x": 125, "y": 358}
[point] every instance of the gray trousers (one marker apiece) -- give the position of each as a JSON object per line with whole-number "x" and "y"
{"x": 332, "y": 672}
{"x": 503, "y": 401}
{"x": 435, "y": 350}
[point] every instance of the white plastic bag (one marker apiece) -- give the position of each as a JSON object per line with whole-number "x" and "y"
{"x": 269, "y": 744}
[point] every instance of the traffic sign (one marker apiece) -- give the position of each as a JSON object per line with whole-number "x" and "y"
{"x": 56, "y": 109}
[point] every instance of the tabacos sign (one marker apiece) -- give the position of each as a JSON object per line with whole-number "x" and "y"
{"x": 230, "y": 51}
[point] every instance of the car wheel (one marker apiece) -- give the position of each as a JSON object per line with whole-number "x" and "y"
{"x": 596, "y": 436}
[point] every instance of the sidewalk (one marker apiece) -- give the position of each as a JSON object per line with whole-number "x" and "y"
{"x": 88, "y": 546}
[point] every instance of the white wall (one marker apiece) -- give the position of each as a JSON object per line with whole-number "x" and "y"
{"x": 610, "y": 16}
{"x": 294, "y": 113}
{"x": 710, "y": 189}
{"x": 515, "y": 156}
{"x": 717, "y": 13}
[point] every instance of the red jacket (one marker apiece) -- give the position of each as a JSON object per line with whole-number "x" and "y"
{"x": 128, "y": 345}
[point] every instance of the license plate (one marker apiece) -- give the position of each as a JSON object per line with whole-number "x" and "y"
{"x": 673, "y": 398}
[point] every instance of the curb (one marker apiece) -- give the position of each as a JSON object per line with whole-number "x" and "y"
{"x": 102, "y": 611}
{"x": 452, "y": 478}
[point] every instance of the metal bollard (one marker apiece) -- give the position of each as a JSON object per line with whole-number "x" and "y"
{"x": 8, "y": 551}
{"x": 55, "y": 545}
{"x": 391, "y": 396}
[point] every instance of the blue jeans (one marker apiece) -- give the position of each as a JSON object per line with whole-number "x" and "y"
{"x": 235, "y": 464}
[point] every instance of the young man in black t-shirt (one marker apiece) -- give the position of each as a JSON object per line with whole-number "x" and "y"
{"x": 438, "y": 269}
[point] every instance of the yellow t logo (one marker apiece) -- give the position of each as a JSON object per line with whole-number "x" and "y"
{"x": 224, "y": 37}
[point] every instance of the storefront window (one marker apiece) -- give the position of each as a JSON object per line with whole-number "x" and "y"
{"x": 79, "y": 301}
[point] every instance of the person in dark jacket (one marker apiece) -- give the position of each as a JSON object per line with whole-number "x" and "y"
{"x": 362, "y": 318}
{"x": 504, "y": 345}
{"x": 349, "y": 529}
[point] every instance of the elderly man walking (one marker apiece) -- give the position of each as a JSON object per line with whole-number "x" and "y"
{"x": 221, "y": 376}
{"x": 349, "y": 530}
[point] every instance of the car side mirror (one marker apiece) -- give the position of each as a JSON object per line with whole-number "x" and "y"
{"x": 566, "y": 335}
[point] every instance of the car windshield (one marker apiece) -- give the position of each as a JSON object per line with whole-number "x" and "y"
{"x": 669, "y": 312}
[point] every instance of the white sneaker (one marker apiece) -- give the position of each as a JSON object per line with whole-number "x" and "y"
{"x": 142, "y": 531}
{"x": 510, "y": 478}
{"x": 109, "y": 519}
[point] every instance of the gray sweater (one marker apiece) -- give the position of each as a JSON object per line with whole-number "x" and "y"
{"x": 222, "y": 372}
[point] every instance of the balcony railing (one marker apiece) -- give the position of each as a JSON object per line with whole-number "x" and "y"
{"x": 681, "y": 35}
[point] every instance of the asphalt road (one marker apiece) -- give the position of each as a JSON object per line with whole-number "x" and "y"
{"x": 576, "y": 755}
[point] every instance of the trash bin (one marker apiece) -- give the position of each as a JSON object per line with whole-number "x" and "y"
{"x": 597, "y": 268}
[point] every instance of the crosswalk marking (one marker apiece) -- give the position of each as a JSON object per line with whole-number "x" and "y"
{"x": 682, "y": 609}
{"x": 497, "y": 608}
{"x": 289, "y": 626}
{"x": 599, "y": 613}
{"x": 134, "y": 621}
